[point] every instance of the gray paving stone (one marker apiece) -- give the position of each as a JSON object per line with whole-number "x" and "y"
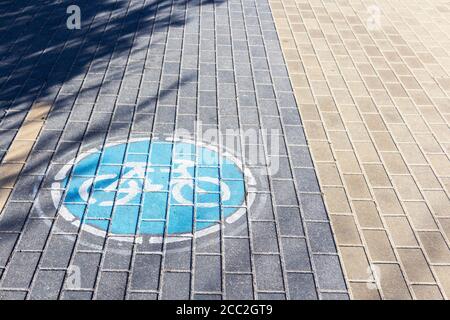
{"x": 262, "y": 208}
{"x": 264, "y": 237}
{"x": 280, "y": 167}
{"x": 207, "y": 273}
{"x": 207, "y": 297}
{"x": 14, "y": 216}
{"x": 178, "y": 255}
{"x": 20, "y": 270}
{"x": 238, "y": 286}
{"x": 26, "y": 188}
{"x": 208, "y": 244}
{"x": 289, "y": 221}
{"x": 112, "y": 286}
{"x": 329, "y": 273}
{"x": 142, "y": 296}
{"x": 47, "y": 285}
{"x": 268, "y": 273}
{"x": 12, "y": 295}
{"x": 37, "y": 163}
{"x": 35, "y": 234}
{"x": 301, "y": 286}
{"x": 284, "y": 191}
{"x": 7, "y": 242}
{"x": 300, "y": 157}
{"x": 334, "y": 296}
{"x": 117, "y": 255}
{"x": 220, "y": 63}
{"x": 145, "y": 272}
{"x": 43, "y": 205}
{"x": 47, "y": 140}
{"x": 58, "y": 251}
{"x": 76, "y": 295}
{"x": 176, "y": 286}
{"x": 271, "y": 296}
{"x": 306, "y": 180}
{"x": 85, "y": 266}
{"x": 295, "y": 254}
{"x": 320, "y": 237}
{"x": 294, "y": 135}
{"x": 313, "y": 207}
{"x": 237, "y": 255}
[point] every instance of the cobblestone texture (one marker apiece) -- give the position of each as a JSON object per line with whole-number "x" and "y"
{"x": 140, "y": 68}
{"x": 372, "y": 82}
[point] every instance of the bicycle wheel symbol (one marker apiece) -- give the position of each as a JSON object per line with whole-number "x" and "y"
{"x": 128, "y": 189}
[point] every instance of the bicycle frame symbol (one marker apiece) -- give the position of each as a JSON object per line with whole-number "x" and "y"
{"x": 129, "y": 188}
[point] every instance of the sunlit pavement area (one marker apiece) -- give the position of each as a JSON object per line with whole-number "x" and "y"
{"x": 169, "y": 150}
{"x": 372, "y": 83}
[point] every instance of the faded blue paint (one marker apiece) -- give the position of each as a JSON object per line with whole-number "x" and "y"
{"x": 152, "y": 188}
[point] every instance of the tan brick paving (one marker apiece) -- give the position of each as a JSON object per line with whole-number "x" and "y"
{"x": 372, "y": 81}
{"x": 19, "y": 150}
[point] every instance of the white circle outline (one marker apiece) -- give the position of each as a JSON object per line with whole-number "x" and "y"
{"x": 249, "y": 195}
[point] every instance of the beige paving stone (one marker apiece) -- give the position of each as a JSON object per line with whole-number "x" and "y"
{"x": 379, "y": 247}
{"x": 412, "y": 154}
{"x": 315, "y": 130}
{"x": 427, "y": 292}
{"x": 345, "y": 230}
{"x": 336, "y": 200}
{"x": 8, "y": 174}
{"x": 376, "y": 175}
{"x": 366, "y": 152}
{"x": 29, "y": 130}
{"x": 435, "y": 247}
{"x": 18, "y": 151}
{"x": 388, "y": 202}
{"x": 400, "y": 133}
{"x": 440, "y": 164}
{"x": 383, "y": 141}
{"x": 438, "y": 202}
{"x": 374, "y": 122}
{"x": 392, "y": 282}
{"x": 375, "y": 104}
{"x": 328, "y": 174}
{"x": 333, "y": 121}
{"x": 364, "y": 291}
{"x": 394, "y": 163}
{"x": 406, "y": 187}
{"x": 428, "y": 143}
{"x": 321, "y": 151}
{"x": 420, "y": 215}
{"x": 357, "y": 131}
{"x": 339, "y": 140}
{"x": 442, "y": 273}
{"x": 425, "y": 177}
{"x": 400, "y": 231}
{"x": 309, "y": 112}
{"x": 367, "y": 214}
{"x": 356, "y": 264}
{"x": 446, "y": 183}
{"x": 356, "y": 186}
{"x": 39, "y": 111}
{"x": 347, "y": 162}
{"x": 445, "y": 224}
{"x": 4, "y": 195}
{"x": 416, "y": 266}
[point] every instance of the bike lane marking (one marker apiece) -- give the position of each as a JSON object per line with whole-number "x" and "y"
{"x": 20, "y": 148}
{"x": 143, "y": 187}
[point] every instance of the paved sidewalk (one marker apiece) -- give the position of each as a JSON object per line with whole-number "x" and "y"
{"x": 97, "y": 199}
{"x": 373, "y": 86}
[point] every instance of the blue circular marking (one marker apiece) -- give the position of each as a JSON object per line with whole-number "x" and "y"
{"x": 139, "y": 186}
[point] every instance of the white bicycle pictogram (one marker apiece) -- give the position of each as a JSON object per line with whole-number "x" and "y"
{"x": 130, "y": 188}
